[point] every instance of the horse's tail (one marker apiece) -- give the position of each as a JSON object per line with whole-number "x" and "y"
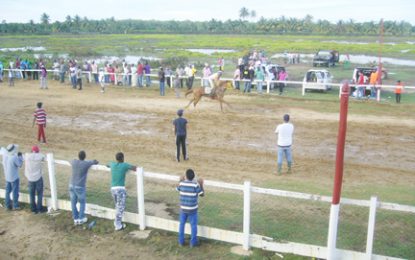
{"x": 188, "y": 92}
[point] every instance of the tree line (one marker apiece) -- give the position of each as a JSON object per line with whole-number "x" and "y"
{"x": 280, "y": 25}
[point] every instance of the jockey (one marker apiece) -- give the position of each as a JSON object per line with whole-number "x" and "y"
{"x": 213, "y": 82}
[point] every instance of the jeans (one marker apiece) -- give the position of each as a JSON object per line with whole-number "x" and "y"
{"x": 193, "y": 218}
{"x": 247, "y": 87}
{"x": 181, "y": 141}
{"x": 73, "y": 81}
{"x": 77, "y": 194}
{"x": 373, "y": 92}
{"x": 162, "y": 88}
{"x": 148, "y": 81}
{"x": 12, "y": 187}
{"x": 96, "y": 78}
{"x": 36, "y": 187}
{"x": 284, "y": 150}
{"x": 237, "y": 83}
{"x": 140, "y": 80}
{"x": 259, "y": 86}
{"x": 62, "y": 77}
{"x": 119, "y": 196}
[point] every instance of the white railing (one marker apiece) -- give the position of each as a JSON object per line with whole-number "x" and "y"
{"x": 245, "y": 238}
{"x": 304, "y": 85}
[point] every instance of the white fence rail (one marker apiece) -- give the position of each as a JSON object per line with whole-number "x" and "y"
{"x": 244, "y": 238}
{"x": 268, "y": 83}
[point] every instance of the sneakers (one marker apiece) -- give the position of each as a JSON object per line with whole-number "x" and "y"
{"x": 123, "y": 226}
{"x": 80, "y": 221}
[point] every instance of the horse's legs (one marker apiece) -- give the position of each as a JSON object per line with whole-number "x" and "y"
{"x": 189, "y": 103}
{"x": 196, "y": 101}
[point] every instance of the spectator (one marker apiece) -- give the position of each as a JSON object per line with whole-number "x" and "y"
{"x": 39, "y": 116}
{"x": 360, "y": 85}
{"x": 373, "y": 81}
{"x": 140, "y": 70}
{"x": 72, "y": 72}
{"x": 237, "y": 78}
{"x": 62, "y": 71}
{"x": 221, "y": 63}
{"x": 285, "y": 138}
{"x": 162, "y": 80}
{"x": 282, "y": 76}
{"x": 77, "y": 187}
{"x": 12, "y": 161}
{"x": 34, "y": 175}
{"x": 1, "y": 71}
{"x": 259, "y": 78}
{"x": 180, "y": 131}
{"x": 11, "y": 75}
{"x": 189, "y": 190}
{"x": 398, "y": 91}
{"x": 102, "y": 79}
{"x": 147, "y": 71}
{"x": 94, "y": 69}
{"x": 176, "y": 85}
{"x": 246, "y": 78}
{"x": 118, "y": 171}
{"x": 43, "y": 77}
{"x": 79, "y": 78}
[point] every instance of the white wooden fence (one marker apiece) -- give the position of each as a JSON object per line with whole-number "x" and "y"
{"x": 244, "y": 238}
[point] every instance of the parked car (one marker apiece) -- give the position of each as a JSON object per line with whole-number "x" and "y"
{"x": 315, "y": 79}
{"x": 326, "y": 58}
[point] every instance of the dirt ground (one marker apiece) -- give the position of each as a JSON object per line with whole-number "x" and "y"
{"x": 234, "y": 146}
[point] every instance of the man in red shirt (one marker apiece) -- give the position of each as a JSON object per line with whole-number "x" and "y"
{"x": 39, "y": 116}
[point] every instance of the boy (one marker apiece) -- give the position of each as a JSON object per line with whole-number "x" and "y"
{"x": 189, "y": 190}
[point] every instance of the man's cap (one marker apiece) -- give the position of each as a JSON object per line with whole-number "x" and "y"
{"x": 180, "y": 112}
{"x": 35, "y": 149}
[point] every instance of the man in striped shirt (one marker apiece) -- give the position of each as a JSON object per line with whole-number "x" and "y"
{"x": 39, "y": 116}
{"x": 189, "y": 190}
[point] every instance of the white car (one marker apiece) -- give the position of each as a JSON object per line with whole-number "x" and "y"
{"x": 317, "y": 80}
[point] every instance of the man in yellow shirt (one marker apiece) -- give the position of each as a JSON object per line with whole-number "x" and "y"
{"x": 372, "y": 81}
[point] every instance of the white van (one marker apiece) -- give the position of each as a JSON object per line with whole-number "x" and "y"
{"x": 317, "y": 80}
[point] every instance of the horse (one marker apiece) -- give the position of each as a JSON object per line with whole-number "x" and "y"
{"x": 199, "y": 92}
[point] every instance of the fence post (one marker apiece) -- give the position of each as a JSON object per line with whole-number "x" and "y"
{"x": 140, "y": 198}
{"x": 52, "y": 181}
{"x": 371, "y": 226}
{"x": 247, "y": 214}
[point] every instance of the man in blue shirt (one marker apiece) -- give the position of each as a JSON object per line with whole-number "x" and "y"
{"x": 180, "y": 130}
{"x": 12, "y": 161}
{"x": 189, "y": 190}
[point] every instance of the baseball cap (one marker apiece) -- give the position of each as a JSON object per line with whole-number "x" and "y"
{"x": 35, "y": 149}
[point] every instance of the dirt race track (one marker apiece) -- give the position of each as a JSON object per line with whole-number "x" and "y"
{"x": 234, "y": 146}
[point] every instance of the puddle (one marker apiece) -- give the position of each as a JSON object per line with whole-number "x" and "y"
{"x": 210, "y": 51}
{"x": 345, "y": 42}
{"x": 121, "y": 123}
{"x": 24, "y": 49}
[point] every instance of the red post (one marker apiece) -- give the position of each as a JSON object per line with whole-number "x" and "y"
{"x": 341, "y": 139}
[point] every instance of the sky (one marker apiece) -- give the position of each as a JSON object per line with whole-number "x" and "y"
{"x": 22, "y": 11}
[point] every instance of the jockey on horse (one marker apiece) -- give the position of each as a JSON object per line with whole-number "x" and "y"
{"x": 214, "y": 80}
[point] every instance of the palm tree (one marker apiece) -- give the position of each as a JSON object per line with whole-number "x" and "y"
{"x": 243, "y": 13}
{"x": 44, "y": 18}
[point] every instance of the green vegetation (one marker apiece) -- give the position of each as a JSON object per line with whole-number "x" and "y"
{"x": 282, "y": 25}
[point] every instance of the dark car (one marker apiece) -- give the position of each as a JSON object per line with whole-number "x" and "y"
{"x": 327, "y": 58}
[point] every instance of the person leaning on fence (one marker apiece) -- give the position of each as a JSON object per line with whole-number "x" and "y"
{"x": 77, "y": 187}
{"x": 180, "y": 131}
{"x": 189, "y": 190}
{"x": 118, "y": 171}
{"x": 12, "y": 161}
{"x": 285, "y": 138}
{"x": 43, "y": 77}
{"x": 34, "y": 175}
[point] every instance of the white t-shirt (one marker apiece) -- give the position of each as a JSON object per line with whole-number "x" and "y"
{"x": 33, "y": 166}
{"x": 285, "y": 134}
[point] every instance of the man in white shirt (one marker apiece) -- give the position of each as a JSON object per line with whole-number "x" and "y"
{"x": 285, "y": 139}
{"x": 33, "y": 173}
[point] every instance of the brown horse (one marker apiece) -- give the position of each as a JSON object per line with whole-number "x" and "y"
{"x": 199, "y": 92}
